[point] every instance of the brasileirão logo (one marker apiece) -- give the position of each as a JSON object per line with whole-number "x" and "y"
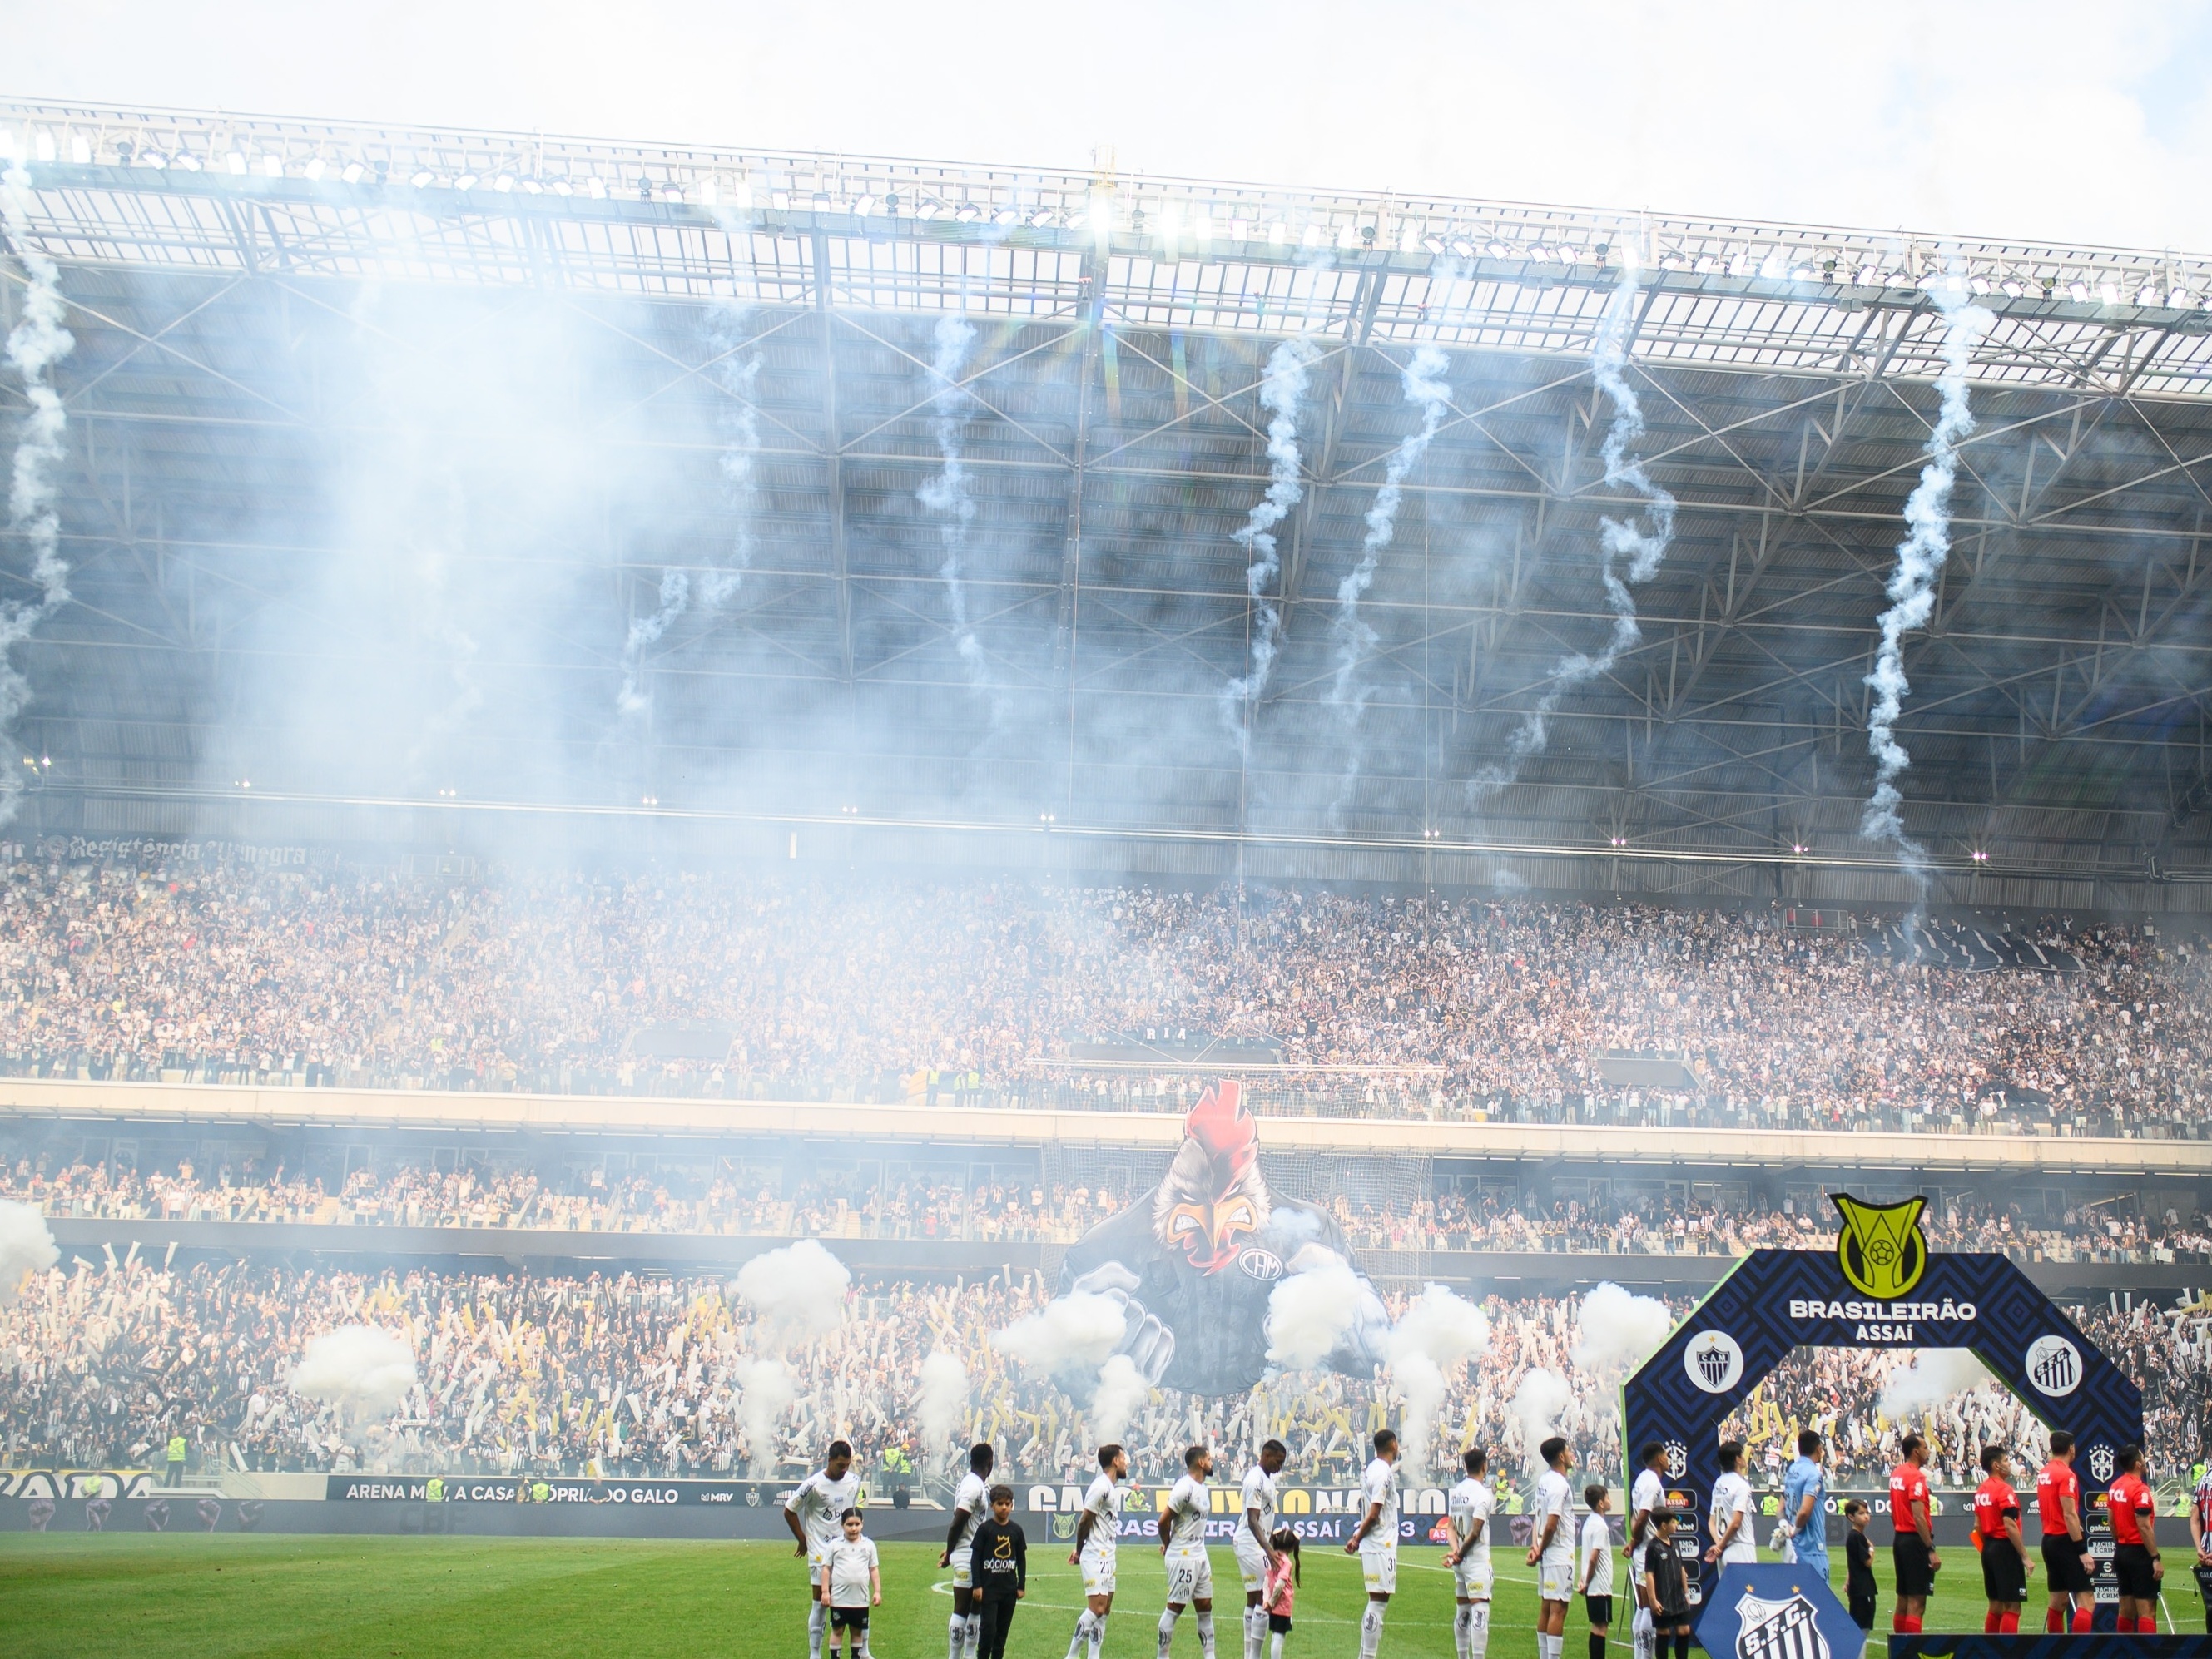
{"x": 1881, "y": 1250}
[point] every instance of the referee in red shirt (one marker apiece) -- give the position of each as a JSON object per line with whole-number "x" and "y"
{"x": 2133, "y": 1513}
{"x": 2065, "y": 1550}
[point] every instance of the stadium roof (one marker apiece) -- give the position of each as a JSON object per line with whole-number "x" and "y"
{"x": 244, "y": 291}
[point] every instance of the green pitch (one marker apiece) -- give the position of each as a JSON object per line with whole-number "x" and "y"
{"x": 181, "y": 1596}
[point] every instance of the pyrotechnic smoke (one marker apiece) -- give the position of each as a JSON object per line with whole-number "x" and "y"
{"x": 1542, "y": 1398}
{"x": 1280, "y": 393}
{"x": 946, "y": 495}
{"x": 764, "y": 1394}
{"x": 797, "y": 1292}
{"x": 944, "y": 1400}
{"x": 1616, "y": 1331}
{"x": 26, "y": 1246}
{"x": 714, "y": 585}
{"x": 1640, "y": 546}
{"x": 1070, "y": 1335}
{"x": 1920, "y": 556}
{"x": 1310, "y": 1314}
{"x": 1934, "y": 1376}
{"x": 36, "y": 344}
{"x": 1426, "y": 389}
{"x": 1121, "y": 1390}
{"x": 1437, "y": 1329}
{"x": 362, "y": 1371}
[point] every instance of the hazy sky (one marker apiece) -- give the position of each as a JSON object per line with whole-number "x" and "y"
{"x": 2087, "y": 120}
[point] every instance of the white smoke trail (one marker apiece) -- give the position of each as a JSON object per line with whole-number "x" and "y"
{"x": 36, "y": 344}
{"x": 718, "y": 583}
{"x": 1424, "y": 387}
{"x": 1538, "y": 1405}
{"x": 27, "y": 1247}
{"x": 1920, "y": 556}
{"x": 1616, "y": 1330}
{"x": 1934, "y": 1376}
{"x": 1641, "y": 546}
{"x": 1121, "y": 1390}
{"x": 797, "y": 1292}
{"x": 1310, "y": 1314}
{"x": 943, "y": 1406}
{"x": 362, "y": 1371}
{"x": 765, "y": 1392}
{"x": 1281, "y": 390}
{"x": 1071, "y": 1333}
{"x": 1437, "y": 1329}
{"x": 946, "y": 495}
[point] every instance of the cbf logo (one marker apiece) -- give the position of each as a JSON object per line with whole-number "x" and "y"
{"x": 1882, "y": 1251}
{"x": 2054, "y": 1366}
{"x": 2101, "y": 1462}
{"x": 1677, "y": 1458}
{"x": 1779, "y": 1630}
{"x": 1714, "y": 1361}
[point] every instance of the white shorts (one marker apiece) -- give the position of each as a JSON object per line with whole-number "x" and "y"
{"x": 1190, "y": 1576}
{"x": 1251, "y": 1562}
{"x": 1378, "y": 1566}
{"x": 1097, "y": 1561}
{"x": 964, "y": 1561}
{"x": 1474, "y": 1579}
{"x": 1555, "y": 1578}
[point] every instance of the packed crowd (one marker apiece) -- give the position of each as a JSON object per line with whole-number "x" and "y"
{"x": 729, "y": 1203}
{"x": 679, "y": 1377}
{"x": 984, "y": 991}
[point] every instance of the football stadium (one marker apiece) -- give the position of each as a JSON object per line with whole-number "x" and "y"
{"x": 793, "y": 903}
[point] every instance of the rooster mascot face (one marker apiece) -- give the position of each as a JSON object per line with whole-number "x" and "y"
{"x": 1211, "y": 1199}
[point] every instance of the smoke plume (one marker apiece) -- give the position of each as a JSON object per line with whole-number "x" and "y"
{"x": 36, "y": 344}
{"x": 1632, "y": 551}
{"x": 1425, "y": 389}
{"x": 1121, "y": 1390}
{"x": 1616, "y": 1330}
{"x": 1438, "y": 1329}
{"x": 1541, "y": 1401}
{"x": 944, "y": 1400}
{"x": 362, "y": 1371}
{"x": 1070, "y": 1335}
{"x": 1280, "y": 392}
{"x": 797, "y": 1292}
{"x": 1912, "y": 587}
{"x": 764, "y": 1394}
{"x": 27, "y": 1247}
{"x": 946, "y": 495}
{"x": 1310, "y": 1314}
{"x": 716, "y": 584}
{"x": 1934, "y": 1376}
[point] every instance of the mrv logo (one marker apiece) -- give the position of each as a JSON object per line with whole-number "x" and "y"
{"x": 1779, "y": 1630}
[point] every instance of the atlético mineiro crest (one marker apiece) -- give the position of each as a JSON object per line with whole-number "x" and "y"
{"x": 1779, "y": 1630}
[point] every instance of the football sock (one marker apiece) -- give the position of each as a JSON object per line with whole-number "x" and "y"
{"x": 1597, "y": 1645}
{"x": 2081, "y": 1618}
{"x": 1205, "y": 1634}
{"x": 1167, "y": 1630}
{"x": 2053, "y": 1620}
{"x": 955, "y": 1636}
{"x": 1098, "y": 1633}
{"x": 975, "y": 1630}
{"x": 1255, "y": 1631}
{"x": 817, "y": 1620}
{"x": 1370, "y": 1630}
{"x": 1275, "y": 1646}
{"x": 2008, "y": 1623}
{"x": 1682, "y": 1644}
{"x": 1085, "y": 1621}
{"x": 1477, "y": 1630}
{"x": 1989, "y": 1622}
{"x": 1463, "y": 1631}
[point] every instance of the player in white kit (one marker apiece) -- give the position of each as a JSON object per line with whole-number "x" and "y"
{"x": 1552, "y": 1548}
{"x": 814, "y": 1515}
{"x": 1255, "y": 1553}
{"x": 1182, "y": 1545}
{"x": 971, "y": 1501}
{"x": 1374, "y": 1540}
{"x": 1468, "y": 1510}
{"x": 1097, "y": 1536}
{"x": 1646, "y": 1498}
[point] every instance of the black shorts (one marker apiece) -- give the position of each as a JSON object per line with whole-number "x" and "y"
{"x": 848, "y": 1619}
{"x": 1600, "y": 1608}
{"x": 2004, "y": 1575}
{"x": 2065, "y": 1565}
{"x": 1915, "y": 1577}
{"x": 2132, "y": 1565}
{"x": 1279, "y": 1623}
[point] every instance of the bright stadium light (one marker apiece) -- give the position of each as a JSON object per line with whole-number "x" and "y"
{"x": 352, "y": 172}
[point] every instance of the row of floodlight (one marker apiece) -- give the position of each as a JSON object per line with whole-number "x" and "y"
{"x": 1181, "y": 228}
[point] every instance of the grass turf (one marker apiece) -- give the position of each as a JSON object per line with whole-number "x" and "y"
{"x": 182, "y": 1596}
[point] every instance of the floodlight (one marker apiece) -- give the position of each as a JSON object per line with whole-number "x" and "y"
{"x": 1278, "y": 233}
{"x": 863, "y": 205}
{"x": 352, "y": 172}
{"x": 272, "y": 167}
{"x": 596, "y": 189}
{"x": 422, "y": 180}
{"x": 43, "y": 142}
{"x": 741, "y": 193}
{"x": 2109, "y": 292}
{"x": 80, "y": 149}
{"x": 314, "y": 169}
{"x": 186, "y": 163}
{"x": 2078, "y": 290}
{"x": 504, "y": 182}
{"x": 1498, "y": 251}
{"x": 2013, "y": 290}
{"x": 236, "y": 161}
{"x": 466, "y": 181}
{"x": 1410, "y": 241}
